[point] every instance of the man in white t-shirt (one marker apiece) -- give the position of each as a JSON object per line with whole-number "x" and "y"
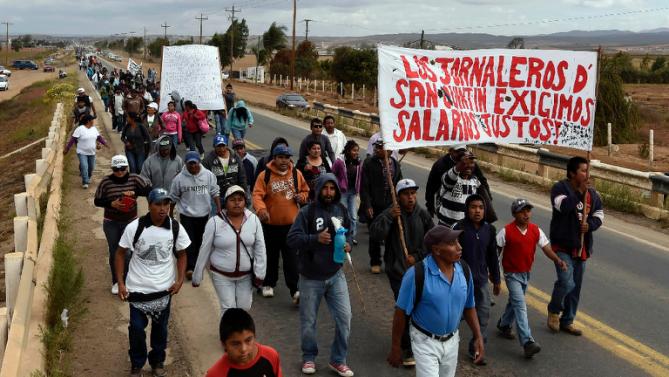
{"x": 337, "y": 138}
{"x": 155, "y": 240}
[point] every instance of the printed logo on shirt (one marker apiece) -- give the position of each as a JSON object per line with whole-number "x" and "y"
{"x": 283, "y": 186}
{"x": 155, "y": 253}
{"x": 200, "y": 189}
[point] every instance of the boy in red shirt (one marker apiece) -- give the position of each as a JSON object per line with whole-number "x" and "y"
{"x": 518, "y": 241}
{"x": 244, "y": 357}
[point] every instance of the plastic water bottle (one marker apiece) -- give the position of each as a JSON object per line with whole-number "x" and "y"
{"x": 339, "y": 241}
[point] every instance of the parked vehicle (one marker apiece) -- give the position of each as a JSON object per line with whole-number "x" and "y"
{"x": 291, "y": 101}
{"x": 25, "y": 64}
{"x": 5, "y": 71}
{"x": 48, "y": 68}
{"x": 4, "y": 83}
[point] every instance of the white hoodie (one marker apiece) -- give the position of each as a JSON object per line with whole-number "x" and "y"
{"x": 192, "y": 193}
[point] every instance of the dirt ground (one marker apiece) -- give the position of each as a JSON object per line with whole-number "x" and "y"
{"x": 21, "y": 79}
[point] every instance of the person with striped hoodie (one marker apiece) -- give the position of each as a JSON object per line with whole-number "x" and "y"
{"x": 457, "y": 184}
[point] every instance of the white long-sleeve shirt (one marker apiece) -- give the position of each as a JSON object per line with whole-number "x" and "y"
{"x": 219, "y": 247}
{"x": 338, "y": 141}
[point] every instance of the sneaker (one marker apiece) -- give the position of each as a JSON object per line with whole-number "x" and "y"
{"x": 136, "y": 372}
{"x": 296, "y": 298}
{"x": 84, "y": 186}
{"x": 114, "y": 289}
{"x": 267, "y": 292}
{"x": 472, "y": 357}
{"x": 375, "y": 269}
{"x": 341, "y": 369}
{"x": 308, "y": 367}
{"x": 531, "y": 348}
{"x": 505, "y": 331}
{"x": 553, "y": 322}
{"x": 158, "y": 370}
{"x": 355, "y": 242}
{"x": 407, "y": 359}
{"x": 571, "y": 329}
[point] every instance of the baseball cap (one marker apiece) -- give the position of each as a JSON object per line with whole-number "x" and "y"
{"x": 158, "y": 195}
{"x": 192, "y": 156}
{"x": 459, "y": 147}
{"x": 467, "y": 155}
{"x": 404, "y": 184}
{"x": 232, "y": 190}
{"x": 220, "y": 139}
{"x": 238, "y": 143}
{"x": 165, "y": 142}
{"x": 439, "y": 234}
{"x": 378, "y": 142}
{"x": 81, "y": 90}
{"x": 153, "y": 105}
{"x": 119, "y": 161}
{"x": 520, "y": 204}
{"x": 282, "y": 150}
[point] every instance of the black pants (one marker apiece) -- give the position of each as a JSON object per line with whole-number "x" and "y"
{"x": 275, "y": 245}
{"x": 375, "y": 246}
{"x": 195, "y": 229}
{"x": 194, "y": 140}
{"x": 405, "y": 344}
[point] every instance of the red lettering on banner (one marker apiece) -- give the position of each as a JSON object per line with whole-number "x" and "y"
{"x": 547, "y": 125}
{"x": 464, "y": 70}
{"x": 456, "y": 129}
{"x": 542, "y": 110}
{"x": 485, "y": 123}
{"x": 565, "y": 105}
{"x": 562, "y": 80}
{"x": 519, "y": 100}
{"x": 442, "y": 129}
{"x": 514, "y": 82}
{"x": 581, "y": 78}
{"x": 477, "y": 71}
{"x": 416, "y": 91}
{"x": 507, "y": 129}
{"x": 401, "y": 116}
{"x": 411, "y": 74}
{"x": 424, "y": 69}
{"x": 500, "y": 77}
{"x": 535, "y": 128}
{"x": 577, "y": 110}
{"x": 535, "y": 66}
{"x": 520, "y": 123}
{"x": 481, "y": 97}
{"x": 557, "y": 125}
{"x": 549, "y": 76}
{"x": 414, "y": 127}
{"x": 589, "y": 106}
{"x": 455, "y": 69}
{"x": 399, "y": 88}
{"x": 427, "y": 122}
{"x": 489, "y": 75}
{"x": 500, "y": 94}
{"x": 444, "y": 62}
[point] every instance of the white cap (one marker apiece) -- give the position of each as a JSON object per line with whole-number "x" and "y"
{"x": 119, "y": 161}
{"x": 154, "y": 106}
{"x": 404, "y": 184}
{"x": 81, "y": 90}
{"x": 232, "y": 190}
{"x": 458, "y": 147}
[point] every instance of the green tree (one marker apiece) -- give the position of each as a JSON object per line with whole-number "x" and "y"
{"x": 156, "y": 47}
{"x": 351, "y": 66}
{"x": 306, "y": 60}
{"x": 183, "y": 42}
{"x": 273, "y": 40}
{"x": 133, "y": 44}
{"x": 658, "y": 64}
{"x": 280, "y": 63}
{"x": 645, "y": 63}
{"x": 222, "y": 41}
{"x": 516, "y": 43}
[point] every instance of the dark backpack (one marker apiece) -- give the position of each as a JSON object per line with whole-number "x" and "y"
{"x": 145, "y": 222}
{"x": 419, "y": 277}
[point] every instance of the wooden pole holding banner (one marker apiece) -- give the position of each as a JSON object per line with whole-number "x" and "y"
{"x": 393, "y": 195}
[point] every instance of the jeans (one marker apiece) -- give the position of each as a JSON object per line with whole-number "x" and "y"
{"x": 219, "y": 118}
{"x": 137, "y": 337}
{"x": 238, "y": 134}
{"x": 105, "y": 102}
{"x": 350, "y": 201}
{"x": 233, "y": 292}
{"x": 567, "y": 289}
{"x": 434, "y": 358}
{"x": 193, "y": 141}
{"x": 275, "y": 244}
{"x": 118, "y": 123}
{"x": 405, "y": 342}
{"x": 135, "y": 160}
{"x": 374, "y": 246}
{"x": 113, "y": 232}
{"x": 335, "y": 292}
{"x": 86, "y": 166}
{"x": 516, "y": 309}
{"x": 482, "y": 300}
{"x": 174, "y": 137}
{"x": 194, "y": 227}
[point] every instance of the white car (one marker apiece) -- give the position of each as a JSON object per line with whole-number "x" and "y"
{"x": 5, "y": 71}
{"x": 4, "y": 83}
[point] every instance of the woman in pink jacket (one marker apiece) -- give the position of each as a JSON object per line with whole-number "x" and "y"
{"x": 171, "y": 123}
{"x": 193, "y": 133}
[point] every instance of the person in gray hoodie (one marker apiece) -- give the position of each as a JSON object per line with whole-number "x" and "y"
{"x": 192, "y": 191}
{"x": 162, "y": 166}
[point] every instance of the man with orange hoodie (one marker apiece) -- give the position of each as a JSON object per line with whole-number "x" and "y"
{"x": 277, "y": 195}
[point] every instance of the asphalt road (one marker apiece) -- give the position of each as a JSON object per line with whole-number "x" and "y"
{"x": 624, "y": 289}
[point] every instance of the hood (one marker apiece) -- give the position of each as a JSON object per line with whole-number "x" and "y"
{"x": 175, "y": 96}
{"x": 322, "y": 180}
{"x": 240, "y": 103}
{"x": 270, "y": 165}
{"x": 173, "y": 149}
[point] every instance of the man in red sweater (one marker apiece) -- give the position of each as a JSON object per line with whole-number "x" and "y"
{"x": 518, "y": 241}
{"x": 244, "y": 356}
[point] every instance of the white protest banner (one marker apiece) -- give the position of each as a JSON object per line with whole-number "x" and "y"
{"x": 193, "y": 71}
{"x": 133, "y": 67}
{"x": 429, "y": 98}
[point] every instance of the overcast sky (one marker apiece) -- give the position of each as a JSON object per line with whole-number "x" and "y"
{"x": 333, "y": 17}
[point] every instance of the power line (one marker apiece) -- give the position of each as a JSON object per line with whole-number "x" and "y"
{"x": 201, "y": 18}
{"x": 165, "y": 26}
{"x": 306, "y": 21}
{"x": 232, "y": 12}
{"x": 7, "y": 23}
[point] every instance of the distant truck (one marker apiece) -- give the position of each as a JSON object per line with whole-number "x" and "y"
{"x": 25, "y": 64}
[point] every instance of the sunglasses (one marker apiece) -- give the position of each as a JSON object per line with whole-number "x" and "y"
{"x": 317, "y": 126}
{"x": 122, "y": 168}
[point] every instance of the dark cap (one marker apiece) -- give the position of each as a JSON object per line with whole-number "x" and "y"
{"x": 520, "y": 204}
{"x": 439, "y": 234}
{"x": 158, "y": 195}
{"x": 165, "y": 142}
{"x": 238, "y": 143}
{"x": 86, "y": 118}
{"x": 282, "y": 150}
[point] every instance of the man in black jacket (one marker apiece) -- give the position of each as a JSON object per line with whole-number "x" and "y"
{"x": 416, "y": 222}
{"x": 226, "y": 166}
{"x": 479, "y": 250}
{"x": 375, "y": 195}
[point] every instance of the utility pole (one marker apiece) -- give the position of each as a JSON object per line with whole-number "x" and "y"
{"x": 306, "y": 21}
{"x": 7, "y": 23}
{"x": 144, "y": 48}
{"x": 232, "y": 12}
{"x": 258, "y": 57}
{"x": 165, "y": 26}
{"x": 292, "y": 60}
{"x": 201, "y": 18}
{"x": 422, "y": 39}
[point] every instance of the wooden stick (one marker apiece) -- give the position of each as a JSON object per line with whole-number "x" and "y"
{"x": 355, "y": 279}
{"x": 391, "y": 185}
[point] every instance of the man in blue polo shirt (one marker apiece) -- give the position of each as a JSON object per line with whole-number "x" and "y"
{"x": 435, "y": 317}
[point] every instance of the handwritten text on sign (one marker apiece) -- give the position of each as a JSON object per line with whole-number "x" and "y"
{"x": 194, "y": 71}
{"x": 509, "y": 96}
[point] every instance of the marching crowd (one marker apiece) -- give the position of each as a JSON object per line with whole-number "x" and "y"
{"x": 239, "y": 216}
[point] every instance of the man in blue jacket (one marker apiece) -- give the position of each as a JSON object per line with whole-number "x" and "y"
{"x": 571, "y": 239}
{"x": 313, "y": 233}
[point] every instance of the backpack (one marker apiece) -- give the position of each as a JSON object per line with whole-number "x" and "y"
{"x": 145, "y": 222}
{"x": 419, "y": 278}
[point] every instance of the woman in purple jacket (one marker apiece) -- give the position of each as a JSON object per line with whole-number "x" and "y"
{"x": 348, "y": 171}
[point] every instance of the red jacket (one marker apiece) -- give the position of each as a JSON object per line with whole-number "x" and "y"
{"x": 192, "y": 118}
